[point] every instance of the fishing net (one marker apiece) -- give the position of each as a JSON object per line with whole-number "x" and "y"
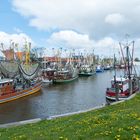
{"x": 29, "y": 71}
{"x": 9, "y": 68}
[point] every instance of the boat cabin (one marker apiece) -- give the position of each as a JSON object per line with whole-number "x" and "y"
{"x": 48, "y": 73}
{"x": 122, "y": 82}
{"x": 6, "y": 86}
{"x": 64, "y": 74}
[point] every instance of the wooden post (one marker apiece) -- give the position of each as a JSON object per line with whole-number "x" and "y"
{"x": 115, "y": 82}
{"x": 130, "y": 87}
{"x": 116, "y": 89}
{"x": 139, "y": 84}
{"x": 129, "y": 73}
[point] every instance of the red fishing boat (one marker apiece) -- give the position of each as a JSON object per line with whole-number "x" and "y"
{"x": 123, "y": 88}
{"x": 19, "y": 78}
{"x": 10, "y": 91}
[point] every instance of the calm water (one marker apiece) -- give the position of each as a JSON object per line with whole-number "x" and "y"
{"x": 83, "y": 93}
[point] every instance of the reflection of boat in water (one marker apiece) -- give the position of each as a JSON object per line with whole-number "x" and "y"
{"x": 86, "y": 70}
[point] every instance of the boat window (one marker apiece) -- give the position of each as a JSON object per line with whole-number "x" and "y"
{"x": 120, "y": 82}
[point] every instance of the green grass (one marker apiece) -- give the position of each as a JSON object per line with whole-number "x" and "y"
{"x": 121, "y": 121}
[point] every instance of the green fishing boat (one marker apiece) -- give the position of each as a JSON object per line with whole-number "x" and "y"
{"x": 65, "y": 76}
{"x": 87, "y": 70}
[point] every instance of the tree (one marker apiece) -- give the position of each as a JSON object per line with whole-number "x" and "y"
{"x": 136, "y": 59}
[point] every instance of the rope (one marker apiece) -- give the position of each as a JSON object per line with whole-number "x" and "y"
{"x": 26, "y": 75}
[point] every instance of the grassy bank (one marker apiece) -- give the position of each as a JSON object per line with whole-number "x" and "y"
{"x": 121, "y": 121}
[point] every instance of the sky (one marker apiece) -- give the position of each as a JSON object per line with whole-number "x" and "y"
{"x": 81, "y": 25}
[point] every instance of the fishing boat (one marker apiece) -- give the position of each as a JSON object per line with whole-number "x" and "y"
{"x": 18, "y": 78}
{"x": 122, "y": 66}
{"x": 47, "y": 71}
{"x": 9, "y": 90}
{"x": 23, "y": 84}
{"x": 99, "y": 68}
{"x": 87, "y": 70}
{"x": 48, "y": 75}
{"x": 66, "y": 71}
{"x": 65, "y": 75}
{"x": 87, "y": 65}
{"x": 107, "y": 67}
{"x": 124, "y": 87}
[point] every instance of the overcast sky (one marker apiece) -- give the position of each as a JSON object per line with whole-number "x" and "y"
{"x": 71, "y": 24}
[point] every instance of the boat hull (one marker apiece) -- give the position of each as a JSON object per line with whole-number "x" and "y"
{"x": 107, "y": 68}
{"x": 122, "y": 96}
{"x": 64, "y": 80}
{"x": 46, "y": 81}
{"x": 87, "y": 74}
{"x": 20, "y": 94}
{"x": 99, "y": 70}
{"x": 114, "y": 98}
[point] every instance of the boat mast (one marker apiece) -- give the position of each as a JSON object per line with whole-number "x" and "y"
{"x": 131, "y": 57}
{"x": 128, "y": 68}
{"x": 127, "y": 61}
{"x": 123, "y": 55}
{"x": 27, "y": 47}
{"x": 115, "y": 82}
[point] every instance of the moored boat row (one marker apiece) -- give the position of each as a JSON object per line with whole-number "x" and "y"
{"x": 22, "y": 76}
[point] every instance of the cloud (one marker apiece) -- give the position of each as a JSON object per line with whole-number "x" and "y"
{"x": 115, "y": 19}
{"x": 20, "y": 38}
{"x": 92, "y": 17}
{"x": 71, "y": 40}
{"x": 17, "y": 30}
{"x": 83, "y": 24}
